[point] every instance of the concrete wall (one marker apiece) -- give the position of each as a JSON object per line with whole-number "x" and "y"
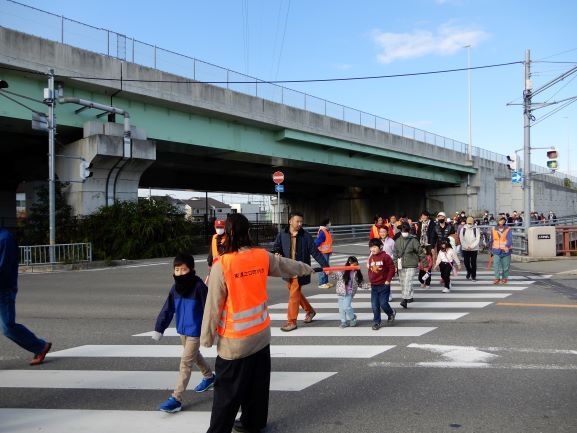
{"x": 546, "y": 194}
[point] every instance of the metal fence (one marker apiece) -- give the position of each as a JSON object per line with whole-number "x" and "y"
{"x": 63, "y": 254}
{"x": 58, "y": 28}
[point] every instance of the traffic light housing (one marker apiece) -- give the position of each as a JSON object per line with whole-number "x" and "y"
{"x": 85, "y": 171}
{"x": 552, "y": 163}
{"x": 512, "y": 162}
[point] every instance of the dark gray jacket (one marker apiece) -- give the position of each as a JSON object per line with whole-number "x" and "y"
{"x": 305, "y": 248}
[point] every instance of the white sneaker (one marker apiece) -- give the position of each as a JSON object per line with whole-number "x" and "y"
{"x": 390, "y": 298}
{"x": 445, "y": 290}
{"x": 324, "y": 286}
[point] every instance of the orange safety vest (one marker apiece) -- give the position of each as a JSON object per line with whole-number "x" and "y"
{"x": 327, "y": 246}
{"x": 214, "y": 247}
{"x": 374, "y": 232}
{"x": 500, "y": 239}
{"x": 245, "y": 310}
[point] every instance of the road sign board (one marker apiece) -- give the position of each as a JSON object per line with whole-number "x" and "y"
{"x": 516, "y": 177}
{"x": 279, "y": 188}
{"x": 278, "y": 177}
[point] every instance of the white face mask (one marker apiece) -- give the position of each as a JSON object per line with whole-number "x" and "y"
{"x": 219, "y": 231}
{"x": 405, "y": 234}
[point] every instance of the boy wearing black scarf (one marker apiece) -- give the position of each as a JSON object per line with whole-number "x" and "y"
{"x": 186, "y": 299}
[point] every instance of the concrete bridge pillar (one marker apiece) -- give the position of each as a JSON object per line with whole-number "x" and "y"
{"x": 116, "y": 168}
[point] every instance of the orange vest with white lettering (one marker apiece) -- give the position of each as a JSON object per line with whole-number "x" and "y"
{"x": 245, "y": 311}
{"x": 327, "y": 246}
{"x": 214, "y": 247}
{"x": 500, "y": 239}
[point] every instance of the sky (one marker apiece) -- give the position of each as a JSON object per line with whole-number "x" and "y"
{"x": 303, "y": 39}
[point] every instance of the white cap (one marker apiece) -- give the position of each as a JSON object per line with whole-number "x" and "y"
{"x": 441, "y": 214}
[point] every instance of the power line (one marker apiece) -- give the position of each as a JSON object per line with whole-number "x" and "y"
{"x": 283, "y": 38}
{"x": 317, "y": 80}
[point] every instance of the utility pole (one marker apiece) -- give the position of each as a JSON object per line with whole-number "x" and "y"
{"x": 50, "y": 100}
{"x": 527, "y": 94}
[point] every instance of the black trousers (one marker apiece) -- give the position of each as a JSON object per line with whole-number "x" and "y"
{"x": 241, "y": 383}
{"x": 470, "y": 259}
{"x": 422, "y": 273}
{"x": 446, "y": 269}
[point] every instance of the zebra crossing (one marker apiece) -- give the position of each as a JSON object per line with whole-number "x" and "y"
{"x": 431, "y": 309}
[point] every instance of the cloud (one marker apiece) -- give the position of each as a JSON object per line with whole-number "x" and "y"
{"x": 447, "y": 40}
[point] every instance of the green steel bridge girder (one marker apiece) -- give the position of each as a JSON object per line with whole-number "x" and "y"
{"x": 175, "y": 124}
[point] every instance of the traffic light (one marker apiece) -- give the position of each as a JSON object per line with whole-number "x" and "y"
{"x": 512, "y": 162}
{"x": 552, "y": 163}
{"x": 85, "y": 172}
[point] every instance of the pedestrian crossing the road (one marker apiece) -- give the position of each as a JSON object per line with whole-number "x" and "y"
{"x": 320, "y": 340}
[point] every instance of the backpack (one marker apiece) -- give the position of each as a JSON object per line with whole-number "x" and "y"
{"x": 474, "y": 231}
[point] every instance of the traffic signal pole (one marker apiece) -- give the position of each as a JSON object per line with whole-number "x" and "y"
{"x": 50, "y": 101}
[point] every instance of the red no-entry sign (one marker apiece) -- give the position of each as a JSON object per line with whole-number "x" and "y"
{"x": 278, "y": 177}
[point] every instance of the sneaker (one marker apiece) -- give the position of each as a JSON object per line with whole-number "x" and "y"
{"x": 446, "y": 290}
{"x": 504, "y": 281}
{"x": 330, "y": 285}
{"x": 468, "y": 277}
{"x": 404, "y": 303}
{"x": 353, "y": 322}
{"x": 205, "y": 383}
{"x": 39, "y": 357}
{"x": 390, "y": 298}
{"x": 344, "y": 325}
{"x": 171, "y": 405}
{"x": 376, "y": 327}
{"x": 309, "y": 316}
{"x": 410, "y": 300}
{"x": 325, "y": 286}
{"x": 239, "y": 427}
{"x": 496, "y": 281}
{"x": 474, "y": 280}
{"x": 391, "y": 318}
{"x": 287, "y": 327}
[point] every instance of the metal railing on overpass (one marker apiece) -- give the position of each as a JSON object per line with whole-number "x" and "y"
{"x": 38, "y": 22}
{"x": 34, "y": 255}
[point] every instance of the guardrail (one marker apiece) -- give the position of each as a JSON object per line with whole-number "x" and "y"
{"x": 33, "y": 255}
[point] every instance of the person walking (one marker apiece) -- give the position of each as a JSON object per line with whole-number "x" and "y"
{"x": 470, "y": 237}
{"x": 295, "y": 243}
{"x": 324, "y": 243}
{"x": 446, "y": 261}
{"x": 381, "y": 271}
{"x": 501, "y": 248}
{"x": 426, "y": 268}
{"x": 388, "y": 243}
{"x": 236, "y": 317}
{"x": 347, "y": 284}
{"x": 186, "y": 299}
{"x": 377, "y": 223}
{"x": 407, "y": 257}
{"x": 19, "y": 334}
{"x": 216, "y": 244}
{"x": 425, "y": 229}
{"x": 442, "y": 230}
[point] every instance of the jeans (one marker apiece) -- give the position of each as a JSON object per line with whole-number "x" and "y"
{"x": 501, "y": 266}
{"x": 470, "y": 259}
{"x": 19, "y": 334}
{"x": 323, "y": 277}
{"x": 380, "y": 301}
{"x": 345, "y": 309}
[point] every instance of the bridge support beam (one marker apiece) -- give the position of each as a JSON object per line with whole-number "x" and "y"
{"x": 116, "y": 169}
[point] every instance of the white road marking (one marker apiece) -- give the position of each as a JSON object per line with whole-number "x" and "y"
{"x": 175, "y": 351}
{"x": 505, "y": 349}
{"x": 457, "y": 355}
{"x": 142, "y": 380}
{"x": 401, "y": 315}
{"x": 447, "y": 305}
{"x": 100, "y": 421}
{"x": 499, "y": 366}
{"x": 324, "y": 331}
{"x": 424, "y": 295}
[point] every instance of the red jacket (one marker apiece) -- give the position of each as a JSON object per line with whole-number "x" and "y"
{"x": 381, "y": 268}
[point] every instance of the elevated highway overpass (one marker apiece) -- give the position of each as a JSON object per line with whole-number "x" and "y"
{"x": 193, "y": 135}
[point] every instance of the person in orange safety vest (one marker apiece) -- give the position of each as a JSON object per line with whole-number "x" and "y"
{"x": 236, "y": 317}
{"x": 324, "y": 242}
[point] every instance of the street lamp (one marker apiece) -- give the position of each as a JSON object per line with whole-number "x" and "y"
{"x": 470, "y": 145}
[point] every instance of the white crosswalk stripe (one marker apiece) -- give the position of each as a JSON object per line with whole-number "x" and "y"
{"x": 430, "y": 307}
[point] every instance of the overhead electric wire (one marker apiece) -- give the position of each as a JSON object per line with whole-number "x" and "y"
{"x": 283, "y": 38}
{"x": 20, "y": 103}
{"x": 318, "y": 80}
{"x": 546, "y": 116}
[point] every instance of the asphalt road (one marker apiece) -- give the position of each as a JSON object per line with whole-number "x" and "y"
{"x": 509, "y": 366}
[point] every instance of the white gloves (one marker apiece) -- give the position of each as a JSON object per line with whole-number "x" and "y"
{"x": 156, "y": 336}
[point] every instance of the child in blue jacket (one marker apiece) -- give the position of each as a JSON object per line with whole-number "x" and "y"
{"x": 186, "y": 299}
